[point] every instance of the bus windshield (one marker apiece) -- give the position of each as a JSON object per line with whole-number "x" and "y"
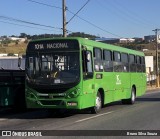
{"x": 52, "y": 68}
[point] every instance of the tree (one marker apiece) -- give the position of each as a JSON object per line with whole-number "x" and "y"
{"x": 23, "y": 35}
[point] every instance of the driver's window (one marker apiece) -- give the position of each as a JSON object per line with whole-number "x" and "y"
{"x": 89, "y": 62}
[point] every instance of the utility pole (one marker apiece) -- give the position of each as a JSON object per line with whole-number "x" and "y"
{"x": 64, "y": 18}
{"x": 157, "y": 67}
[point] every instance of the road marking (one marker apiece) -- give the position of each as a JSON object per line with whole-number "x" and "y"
{"x": 94, "y": 117}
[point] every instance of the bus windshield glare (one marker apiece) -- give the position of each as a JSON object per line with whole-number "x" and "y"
{"x": 52, "y": 68}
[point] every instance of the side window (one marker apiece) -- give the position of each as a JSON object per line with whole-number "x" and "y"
{"x": 107, "y": 63}
{"x": 125, "y": 62}
{"x": 117, "y": 57}
{"x": 132, "y": 63}
{"x": 138, "y": 65}
{"x": 87, "y": 64}
{"x": 98, "y": 65}
{"x": 137, "y": 59}
{"x": 117, "y": 62}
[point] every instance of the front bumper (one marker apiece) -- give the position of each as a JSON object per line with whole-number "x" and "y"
{"x": 72, "y": 103}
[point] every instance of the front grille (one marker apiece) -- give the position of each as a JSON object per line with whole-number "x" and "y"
{"x": 53, "y": 91}
{"x": 54, "y": 102}
{"x": 47, "y": 97}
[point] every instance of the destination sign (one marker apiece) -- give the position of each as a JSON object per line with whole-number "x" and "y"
{"x": 53, "y": 45}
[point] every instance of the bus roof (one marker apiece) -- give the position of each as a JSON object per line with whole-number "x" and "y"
{"x": 87, "y": 42}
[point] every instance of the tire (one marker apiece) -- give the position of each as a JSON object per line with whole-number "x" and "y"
{"x": 98, "y": 105}
{"x": 133, "y": 96}
{"x": 132, "y": 99}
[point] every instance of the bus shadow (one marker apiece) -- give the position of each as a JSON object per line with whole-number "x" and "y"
{"x": 40, "y": 114}
{"x": 44, "y": 114}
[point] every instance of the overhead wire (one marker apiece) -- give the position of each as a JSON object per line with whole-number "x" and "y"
{"x": 27, "y": 22}
{"x": 134, "y": 14}
{"x": 97, "y": 26}
{"x": 104, "y": 30}
{"x": 128, "y": 14}
{"x": 26, "y": 26}
{"x": 115, "y": 12}
{"x": 44, "y": 4}
{"x": 123, "y": 12}
{"x": 78, "y": 11}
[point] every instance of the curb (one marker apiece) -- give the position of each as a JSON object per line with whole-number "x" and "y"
{"x": 152, "y": 88}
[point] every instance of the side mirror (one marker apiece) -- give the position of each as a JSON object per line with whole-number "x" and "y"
{"x": 19, "y": 63}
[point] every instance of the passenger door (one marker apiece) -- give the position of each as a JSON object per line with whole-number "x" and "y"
{"x": 88, "y": 80}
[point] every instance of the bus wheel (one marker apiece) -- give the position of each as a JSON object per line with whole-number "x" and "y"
{"x": 132, "y": 99}
{"x": 98, "y": 106}
{"x": 133, "y": 96}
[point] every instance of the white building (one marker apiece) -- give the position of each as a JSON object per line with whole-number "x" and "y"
{"x": 149, "y": 64}
{"x": 3, "y": 54}
{"x": 158, "y": 39}
{"x": 126, "y": 40}
{"x": 17, "y": 39}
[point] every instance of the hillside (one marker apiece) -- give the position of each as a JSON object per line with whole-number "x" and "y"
{"x": 20, "y": 47}
{"x": 13, "y": 48}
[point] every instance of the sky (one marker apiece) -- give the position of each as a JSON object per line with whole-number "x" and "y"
{"x": 103, "y": 18}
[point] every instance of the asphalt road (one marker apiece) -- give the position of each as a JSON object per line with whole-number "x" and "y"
{"x": 143, "y": 115}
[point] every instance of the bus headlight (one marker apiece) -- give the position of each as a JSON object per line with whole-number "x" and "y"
{"x": 73, "y": 93}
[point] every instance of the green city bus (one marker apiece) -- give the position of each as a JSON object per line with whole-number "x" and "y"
{"x": 77, "y": 73}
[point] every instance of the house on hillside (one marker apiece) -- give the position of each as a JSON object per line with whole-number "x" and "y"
{"x": 1, "y": 39}
{"x": 149, "y": 38}
{"x": 17, "y": 39}
{"x": 115, "y": 40}
{"x": 107, "y": 40}
{"x": 126, "y": 40}
{"x": 138, "y": 40}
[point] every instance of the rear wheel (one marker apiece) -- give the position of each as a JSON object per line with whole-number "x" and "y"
{"x": 132, "y": 99}
{"x": 98, "y": 105}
